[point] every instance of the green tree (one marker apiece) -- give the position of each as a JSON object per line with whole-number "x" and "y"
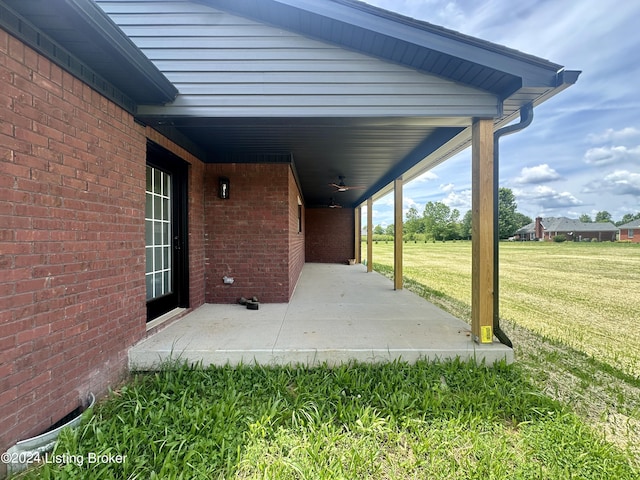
{"x": 378, "y": 230}
{"x": 413, "y": 223}
{"x": 603, "y": 216}
{"x": 466, "y": 225}
{"x": 507, "y": 219}
{"x": 522, "y": 220}
{"x": 585, "y": 218}
{"x": 390, "y": 230}
{"x": 453, "y": 225}
{"x": 628, "y": 217}
{"x": 436, "y": 219}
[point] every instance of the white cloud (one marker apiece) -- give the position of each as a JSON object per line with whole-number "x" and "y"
{"x": 619, "y": 182}
{"x": 589, "y": 135}
{"x": 547, "y": 197}
{"x": 410, "y": 202}
{"x": 538, "y": 174}
{"x": 387, "y": 201}
{"x": 618, "y": 136}
{"x": 600, "y": 156}
{"x": 426, "y": 176}
{"x": 448, "y": 187}
{"x": 460, "y": 200}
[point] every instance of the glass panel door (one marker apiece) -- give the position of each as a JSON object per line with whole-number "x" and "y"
{"x": 158, "y": 233}
{"x": 166, "y": 228}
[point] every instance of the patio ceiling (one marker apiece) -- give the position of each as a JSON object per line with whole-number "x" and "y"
{"x": 369, "y": 147}
{"x": 368, "y": 152}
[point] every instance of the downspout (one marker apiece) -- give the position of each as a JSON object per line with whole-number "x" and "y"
{"x": 526, "y": 117}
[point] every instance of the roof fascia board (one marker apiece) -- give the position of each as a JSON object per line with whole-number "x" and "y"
{"x": 564, "y": 79}
{"x": 28, "y": 33}
{"x": 115, "y": 38}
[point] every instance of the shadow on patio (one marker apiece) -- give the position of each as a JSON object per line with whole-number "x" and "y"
{"x": 338, "y": 313}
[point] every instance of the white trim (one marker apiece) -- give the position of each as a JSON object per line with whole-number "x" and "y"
{"x": 156, "y": 322}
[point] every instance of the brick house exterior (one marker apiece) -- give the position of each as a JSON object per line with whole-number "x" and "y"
{"x": 330, "y": 233}
{"x": 72, "y": 290}
{"x": 72, "y": 248}
{"x": 572, "y": 229}
{"x": 85, "y": 136}
{"x": 630, "y": 232}
{"x": 253, "y": 235}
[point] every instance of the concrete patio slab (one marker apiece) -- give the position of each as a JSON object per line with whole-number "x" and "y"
{"x": 338, "y": 313}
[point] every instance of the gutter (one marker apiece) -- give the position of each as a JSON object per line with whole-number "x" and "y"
{"x": 526, "y": 117}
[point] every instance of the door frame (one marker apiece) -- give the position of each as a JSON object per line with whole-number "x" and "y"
{"x": 162, "y": 159}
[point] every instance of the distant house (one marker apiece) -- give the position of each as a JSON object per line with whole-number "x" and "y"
{"x": 574, "y": 230}
{"x": 630, "y": 231}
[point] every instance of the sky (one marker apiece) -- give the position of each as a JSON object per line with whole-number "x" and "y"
{"x": 581, "y": 154}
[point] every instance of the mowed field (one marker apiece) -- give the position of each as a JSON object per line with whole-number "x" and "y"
{"x": 586, "y": 295}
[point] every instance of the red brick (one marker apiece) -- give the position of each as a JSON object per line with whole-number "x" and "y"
{"x": 23, "y": 108}
{"x": 48, "y": 131}
{"x": 45, "y": 178}
{"x": 32, "y": 333}
{"x": 46, "y": 84}
{"x": 329, "y": 235}
{"x": 14, "y": 169}
{"x": 34, "y": 161}
{"x": 26, "y": 85}
{"x": 33, "y": 383}
{"x": 249, "y": 238}
{"x": 72, "y": 293}
{"x": 7, "y": 396}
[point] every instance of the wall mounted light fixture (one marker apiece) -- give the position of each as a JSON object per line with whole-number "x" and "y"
{"x": 223, "y": 187}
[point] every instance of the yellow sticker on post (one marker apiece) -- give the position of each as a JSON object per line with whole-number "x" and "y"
{"x": 486, "y": 334}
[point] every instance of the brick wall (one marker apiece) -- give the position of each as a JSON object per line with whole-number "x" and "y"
{"x": 624, "y": 235}
{"x": 330, "y": 235}
{"x": 296, "y": 234}
{"x": 72, "y": 291}
{"x": 72, "y": 260}
{"x": 248, "y": 235}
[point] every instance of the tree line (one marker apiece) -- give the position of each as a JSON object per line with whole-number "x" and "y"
{"x": 440, "y": 222}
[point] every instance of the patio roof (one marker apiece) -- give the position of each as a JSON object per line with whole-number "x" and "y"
{"x": 369, "y": 136}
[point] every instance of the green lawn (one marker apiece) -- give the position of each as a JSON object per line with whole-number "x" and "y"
{"x": 586, "y": 295}
{"x": 392, "y": 421}
{"x": 570, "y": 310}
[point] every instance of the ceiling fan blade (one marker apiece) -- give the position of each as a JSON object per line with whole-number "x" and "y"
{"x": 345, "y": 188}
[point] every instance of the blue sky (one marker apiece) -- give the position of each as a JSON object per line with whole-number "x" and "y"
{"x": 581, "y": 154}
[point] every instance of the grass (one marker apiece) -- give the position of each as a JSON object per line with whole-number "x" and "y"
{"x": 597, "y": 379}
{"x": 569, "y": 408}
{"x": 388, "y": 421}
{"x": 585, "y": 295}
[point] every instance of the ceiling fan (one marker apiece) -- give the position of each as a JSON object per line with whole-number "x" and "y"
{"x": 333, "y": 204}
{"x": 342, "y": 187}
